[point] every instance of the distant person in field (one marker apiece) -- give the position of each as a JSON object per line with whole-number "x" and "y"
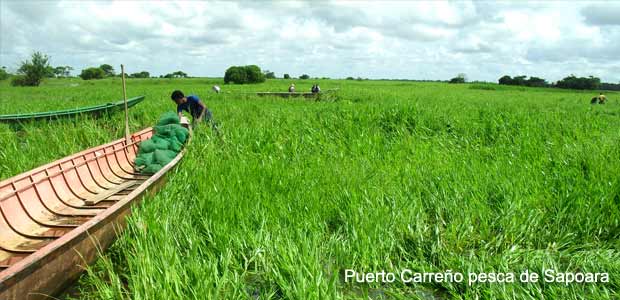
{"x": 216, "y": 89}
{"x": 291, "y": 88}
{"x": 316, "y": 89}
{"x": 193, "y": 105}
{"x": 602, "y": 98}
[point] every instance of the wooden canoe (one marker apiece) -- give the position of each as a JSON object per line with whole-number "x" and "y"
{"x": 287, "y": 94}
{"x": 297, "y": 94}
{"x": 55, "y": 219}
{"x": 71, "y": 112}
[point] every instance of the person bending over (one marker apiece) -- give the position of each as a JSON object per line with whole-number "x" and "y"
{"x": 602, "y": 98}
{"x": 193, "y": 105}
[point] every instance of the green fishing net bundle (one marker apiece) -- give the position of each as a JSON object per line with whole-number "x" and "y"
{"x": 167, "y": 141}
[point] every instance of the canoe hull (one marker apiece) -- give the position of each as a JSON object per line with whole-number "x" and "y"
{"x": 53, "y": 271}
{"x": 51, "y": 268}
{"x": 97, "y": 109}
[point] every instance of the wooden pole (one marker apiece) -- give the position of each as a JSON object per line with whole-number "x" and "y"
{"x": 127, "y": 134}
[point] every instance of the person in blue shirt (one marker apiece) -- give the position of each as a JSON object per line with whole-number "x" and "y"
{"x": 193, "y": 106}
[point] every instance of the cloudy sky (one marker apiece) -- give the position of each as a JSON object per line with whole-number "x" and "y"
{"x": 400, "y": 39}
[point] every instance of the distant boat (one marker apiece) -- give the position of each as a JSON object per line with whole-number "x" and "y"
{"x": 71, "y": 112}
{"x": 296, "y": 94}
{"x": 55, "y": 219}
{"x": 287, "y": 94}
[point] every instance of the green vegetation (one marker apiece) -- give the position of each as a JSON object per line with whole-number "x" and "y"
{"x": 244, "y": 74}
{"x": 4, "y": 74}
{"x": 177, "y": 74}
{"x": 569, "y": 82}
{"x": 392, "y": 175}
{"x": 108, "y": 70}
{"x": 269, "y": 74}
{"x": 62, "y": 71}
{"x": 520, "y": 80}
{"x": 579, "y": 83}
{"x": 92, "y": 73}
{"x": 31, "y": 72}
{"x": 143, "y": 74}
{"x": 461, "y": 78}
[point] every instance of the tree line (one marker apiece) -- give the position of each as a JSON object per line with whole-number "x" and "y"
{"x": 569, "y": 82}
{"x": 252, "y": 74}
{"x": 106, "y": 70}
{"x": 32, "y": 71}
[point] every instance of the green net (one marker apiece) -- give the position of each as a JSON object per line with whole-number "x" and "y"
{"x": 160, "y": 142}
{"x": 147, "y": 146}
{"x": 144, "y": 159}
{"x": 165, "y": 130}
{"x": 181, "y": 133}
{"x": 165, "y": 144}
{"x": 172, "y": 130}
{"x": 175, "y": 145}
{"x": 151, "y": 169}
{"x": 168, "y": 118}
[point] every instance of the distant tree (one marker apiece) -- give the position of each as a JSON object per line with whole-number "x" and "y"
{"x": 507, "y": 80}
{"x": 108, "y": 70}
{"x": 254, "y": 74}
{"x": 92, "y": 73}
{"x": 522, "y": 81}
{"x": 4, "y": 74}
{"x": 610, "y": 86}
{"x": 67, "y": 72}
{"x": 519, "y": 80}
{"x": 350, "y": 78}
{"x": 60, "y": 71}
{"x": 536, "y": 82}
{"x": 235, "y": 74}
{"x": 569, "y": 82}
{"x": 286, "y": 76}
{"x": 143, "y": 74}
{"x": 32, "y": 71}
{"x": 304, "y": 76}
{"x": 579, "y": 83}
{"x": 179, "y": 74}
{"x": 269, "y": 74}
{"x": 458, "y": 79}
{"x": 244, "y": 74}
{"x": 462, "y": 75}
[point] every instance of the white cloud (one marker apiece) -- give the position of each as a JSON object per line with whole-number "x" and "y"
{"x": 605, "y": 14}
{"x": 388, "y": 39}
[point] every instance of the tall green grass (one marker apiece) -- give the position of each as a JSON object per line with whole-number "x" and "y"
{"x": 393, "y": 175}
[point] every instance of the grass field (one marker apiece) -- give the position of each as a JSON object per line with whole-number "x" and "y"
{"x": 388, "y": 176}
